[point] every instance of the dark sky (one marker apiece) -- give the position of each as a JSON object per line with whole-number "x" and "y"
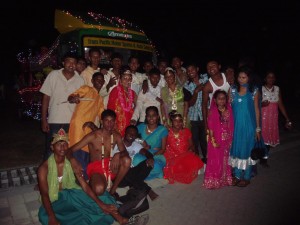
{"x": 195, "y": 30}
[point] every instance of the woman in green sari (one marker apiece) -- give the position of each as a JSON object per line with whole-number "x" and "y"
{"x": 175, "y": 98}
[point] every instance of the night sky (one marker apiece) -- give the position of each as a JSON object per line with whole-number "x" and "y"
{"x": 195, "y": 30}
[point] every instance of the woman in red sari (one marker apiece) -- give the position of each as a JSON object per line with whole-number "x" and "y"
{"x": 182, "y": 163}
{"x": 122, "y": 100}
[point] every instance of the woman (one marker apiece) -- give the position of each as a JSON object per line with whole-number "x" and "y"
{"x": 272, "y": 103}
{"x": 244, "y": 98}
{"x": 220, "y": 128}
{"x": 154, "y": 136}
{"x": 182, "y": 163}
{"x": 122, "y": 100}
{"x": 175, "y": 98}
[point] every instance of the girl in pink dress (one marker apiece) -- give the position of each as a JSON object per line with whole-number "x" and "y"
{"x": 220, "y": 132}
{"x": 271, "y": 102}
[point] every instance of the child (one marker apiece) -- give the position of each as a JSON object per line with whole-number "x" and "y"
{"x": 220, "y": 127}
{"x": 271, "y": 102}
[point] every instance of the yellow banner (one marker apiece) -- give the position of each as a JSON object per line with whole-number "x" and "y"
{"x": 107, "y": 42}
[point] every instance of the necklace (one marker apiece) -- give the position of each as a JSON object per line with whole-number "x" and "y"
{"x": 60, "y": 179}
{"x": 222, "y": 110}
{"x": 269, "y": 89}
{"x": 148, "y": 130}
{"x": 126, "y": 100}
{"x": 173, "y": 95}
{"x": 110, "y": 158}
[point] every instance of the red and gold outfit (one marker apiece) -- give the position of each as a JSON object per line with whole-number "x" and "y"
{"x": 182, "y": 164}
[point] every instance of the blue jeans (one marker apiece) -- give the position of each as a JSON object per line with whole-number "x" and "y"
{"x": 54, "y": 128}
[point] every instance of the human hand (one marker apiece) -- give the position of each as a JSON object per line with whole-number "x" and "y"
{"x": 198, "y": 88}
{"x": 159, "y": 100}
{"x": 112, "y": 81}
{"x": 288, "y": 125}
{"x": 74, "y": 99}
{"x": 265, "y": 103}
{"x": 133, "y": 122}
{"x": 109, "y": 209}
{"x": 90, "y": 125}
{"x": 45, "y": 126}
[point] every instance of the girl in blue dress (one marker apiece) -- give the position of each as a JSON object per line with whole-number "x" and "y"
{"x": 244, "y": 98}
{"x": 154, "y": 135}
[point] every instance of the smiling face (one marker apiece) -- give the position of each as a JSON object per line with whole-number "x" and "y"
{"x": 60, "y": 148}
{"x": 152, "y": 117}
{"x": 213, "y": 68}
{"x": 98, "y": 82}
{"x": 130, "y": 135}
{"x": 169, "y": 77}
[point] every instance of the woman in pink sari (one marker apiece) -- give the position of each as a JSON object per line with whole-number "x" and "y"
{"x": 220, "y": 125}
{"x": 122, "y": 100}
{"x": 182, "y": 164}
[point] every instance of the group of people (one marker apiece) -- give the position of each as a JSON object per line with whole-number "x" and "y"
{"x": 120, "y": 127}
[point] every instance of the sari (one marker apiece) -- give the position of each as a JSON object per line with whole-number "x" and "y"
{"x": 218, "y": 171}
{"x": 155, "y": 141}
{"x": 182, "y": 165}
{"x": 123, "y": 105}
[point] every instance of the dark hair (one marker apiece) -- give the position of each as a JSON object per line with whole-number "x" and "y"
{"x": 70, "y": 55}
{"x": 154, "y": 71}
{"x": 94, "y": 49}
{"x": 220, "y": 91}
{"x": 81, "y": 58}
{"x": 151, "y": 108}
{"x": 107, "y": 113}
{"x": 247, "y": 70}
{"x": 97, "y": 74}
{"x": 173, "y": 114}
{"x": 116, "y": 55}
{"x": 131, "y": 127}
{"x": 133, "y": 57}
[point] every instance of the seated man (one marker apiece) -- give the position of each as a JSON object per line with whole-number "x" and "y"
{"x": 136, "y": 175}
{"x": 102, "y": 168}
{"x": 63, "y": 200}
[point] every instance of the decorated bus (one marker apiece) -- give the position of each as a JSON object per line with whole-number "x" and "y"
{"x": 78, "y": 33}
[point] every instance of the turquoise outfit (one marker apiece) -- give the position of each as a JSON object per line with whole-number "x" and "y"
{"x": 154, "y": 140}
{"x": 72, "y": 206}
{"x": 244, "y": 132}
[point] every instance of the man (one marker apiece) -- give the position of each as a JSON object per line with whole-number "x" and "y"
{"x": 56, "y": 111}
{"x": 63, "y": 199}
{"x": 136, "y": 175}
{"x": 89, "y": 106}
{"x": 195, "y": 86}
{"x": 102, "y": 168}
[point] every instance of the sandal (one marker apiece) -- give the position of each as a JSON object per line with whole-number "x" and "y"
{"x": 243, "y": 183}
{"x": 235, "y": 181}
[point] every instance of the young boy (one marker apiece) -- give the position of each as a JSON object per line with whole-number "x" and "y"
{"x": 63, "y": 200}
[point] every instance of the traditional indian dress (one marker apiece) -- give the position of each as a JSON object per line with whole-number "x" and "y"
{"x": 123, "y": 105}
{"x": 182, "y": 165}
{"x": 269, "y": 114}
{"x": 155, "y": 141}
{"x": 174, "y": 100}
{"x": 72, "y": 206}
{"x": 218, "y": 171}
{"x": 244, "y": 132}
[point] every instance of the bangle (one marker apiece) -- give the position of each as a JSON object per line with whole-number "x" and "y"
{"x": 258, "y": 129}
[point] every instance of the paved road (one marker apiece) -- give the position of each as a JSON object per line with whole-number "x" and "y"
{"x": 272, "y": 198}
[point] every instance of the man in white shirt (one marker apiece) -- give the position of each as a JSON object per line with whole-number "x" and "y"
{"x": 56, "y": 110}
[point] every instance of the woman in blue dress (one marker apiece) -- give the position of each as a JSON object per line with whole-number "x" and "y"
{"x": 155, "y": 136}
{"x": 244, "y": 98}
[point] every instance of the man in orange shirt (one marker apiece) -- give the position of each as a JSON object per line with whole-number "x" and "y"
{"x": 88, "y": 109}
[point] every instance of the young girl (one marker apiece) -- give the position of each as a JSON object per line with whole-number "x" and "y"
{"x": 220, "y": 126}
{"x": 271, "y": 102}
{"x": 182, "y": 163}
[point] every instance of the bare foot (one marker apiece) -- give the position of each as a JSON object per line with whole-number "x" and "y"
{"x": 121, "y": 220}
{"x": 152, "y": 195}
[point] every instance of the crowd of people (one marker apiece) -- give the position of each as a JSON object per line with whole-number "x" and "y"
{"x": 121, "y": 127}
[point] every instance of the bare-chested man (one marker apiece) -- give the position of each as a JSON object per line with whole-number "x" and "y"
{"x": 102, "y": 168}
{"x": 217, "y": 81}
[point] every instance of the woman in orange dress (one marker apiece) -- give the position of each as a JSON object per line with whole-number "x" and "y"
{"x": 182, "y": 163}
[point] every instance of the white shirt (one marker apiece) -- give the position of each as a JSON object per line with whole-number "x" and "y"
{"x": 59, "y": 88}
{"x": 225, "y": 86}
{"x": 132, "y": 150}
